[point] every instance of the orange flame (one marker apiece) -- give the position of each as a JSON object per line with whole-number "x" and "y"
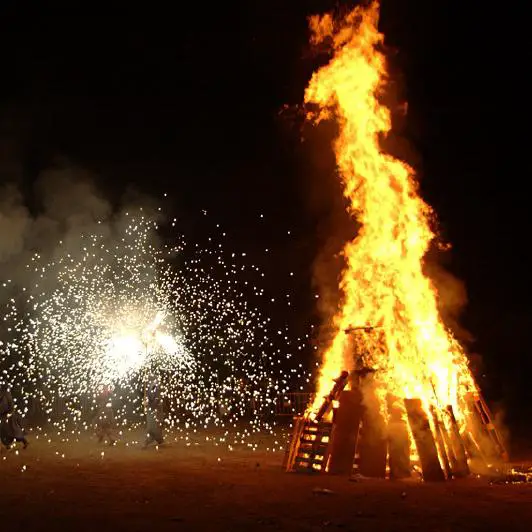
{"x": 383, "y": 283}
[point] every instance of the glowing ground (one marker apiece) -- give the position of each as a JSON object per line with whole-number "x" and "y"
{"x": 205, "y": 487}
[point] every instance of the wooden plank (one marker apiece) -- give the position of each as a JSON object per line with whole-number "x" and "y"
{"x": 440, "y": 430}
{"x": 424, "y": 439}
{"x": 398, "y": 440}
{"x": 373, "y": 445}
{"x": 345, "y": 433}
{"x": 460, "y": 466}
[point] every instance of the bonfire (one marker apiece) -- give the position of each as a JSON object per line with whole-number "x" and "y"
{"x": 404, "y": 399}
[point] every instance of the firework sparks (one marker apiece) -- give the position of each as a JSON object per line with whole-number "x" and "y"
{"x": 128, "y": 311}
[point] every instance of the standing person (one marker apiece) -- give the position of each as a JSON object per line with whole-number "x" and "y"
{"x": 105, "y": 418}
{"x": 10, "y": 420}
{"x": 154, "y": 416}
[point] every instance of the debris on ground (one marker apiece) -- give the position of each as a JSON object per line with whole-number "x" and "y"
{"x": 515, "y": 475}
{"x": 322, "y": 491}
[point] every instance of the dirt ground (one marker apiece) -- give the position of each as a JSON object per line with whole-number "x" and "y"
{"x": 195, "y": 485}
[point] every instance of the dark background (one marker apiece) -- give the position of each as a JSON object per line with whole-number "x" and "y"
{"x": 190, "y": 102}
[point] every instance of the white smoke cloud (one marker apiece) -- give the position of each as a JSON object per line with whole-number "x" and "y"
{"x": 66, "y": 205}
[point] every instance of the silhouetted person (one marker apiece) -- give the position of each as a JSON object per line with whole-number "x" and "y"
{"x": 10, "y": 420}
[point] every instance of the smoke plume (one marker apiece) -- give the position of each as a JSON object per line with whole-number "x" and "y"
{"x": 65, "y": 205}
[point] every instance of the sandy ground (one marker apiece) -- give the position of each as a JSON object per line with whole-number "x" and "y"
{"x": 74, "y": 487}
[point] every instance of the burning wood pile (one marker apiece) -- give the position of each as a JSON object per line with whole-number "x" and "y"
{"x": 348, "y": 435}
{"x": 407, "y": 401}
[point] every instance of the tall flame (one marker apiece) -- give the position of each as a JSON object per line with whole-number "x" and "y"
{"x": 385, "y": 291}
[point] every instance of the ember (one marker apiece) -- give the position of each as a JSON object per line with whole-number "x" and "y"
{"x": 516, "y": 475}
{"x": 411, "y": 403}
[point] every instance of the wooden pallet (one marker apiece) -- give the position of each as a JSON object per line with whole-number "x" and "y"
{"x": 308, "y": 449}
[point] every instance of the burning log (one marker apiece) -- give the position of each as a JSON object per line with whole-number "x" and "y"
{"x": 398, "y": 440}
{"x": 441, "y": 433}
{"x": 373, "y": 447}
{"x": 424, "y": 439}
{"x": 345, "y": 433}
{"x": 460, "y": 466}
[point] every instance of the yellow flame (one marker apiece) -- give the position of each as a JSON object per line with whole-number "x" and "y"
{"x": 383, "y": 282}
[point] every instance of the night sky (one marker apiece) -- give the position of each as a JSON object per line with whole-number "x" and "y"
{"x": 191, "y": 104}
